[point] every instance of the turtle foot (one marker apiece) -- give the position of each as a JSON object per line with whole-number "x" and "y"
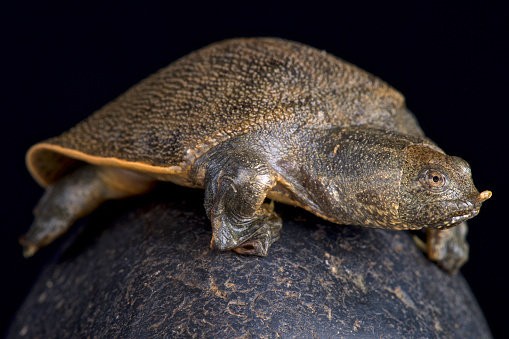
{"x": 448, "y": 248}
{"x": 266, "y": 231}
{"x": 252, "y": 238}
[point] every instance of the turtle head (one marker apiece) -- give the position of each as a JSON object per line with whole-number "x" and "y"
{"x": 436, "y": 190}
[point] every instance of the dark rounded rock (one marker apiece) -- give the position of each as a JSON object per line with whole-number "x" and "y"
{"x": 143, "y": 268}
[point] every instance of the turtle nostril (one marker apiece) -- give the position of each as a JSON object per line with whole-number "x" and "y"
{"x": 484, "y": 196}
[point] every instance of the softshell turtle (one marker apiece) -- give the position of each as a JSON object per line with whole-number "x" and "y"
{"x": 250, "y": 119}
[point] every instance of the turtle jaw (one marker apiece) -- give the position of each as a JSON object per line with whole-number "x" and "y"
{"x": 455, "y": 220}
{"x": 461, "y": 210}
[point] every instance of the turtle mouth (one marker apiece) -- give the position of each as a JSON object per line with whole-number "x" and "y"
{"x": 455, "y": 220}
{"x": 446, "y": 214}
{"x": 449, "y": 213}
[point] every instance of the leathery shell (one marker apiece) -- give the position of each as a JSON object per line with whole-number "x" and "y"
{"x": 167, "y": 121}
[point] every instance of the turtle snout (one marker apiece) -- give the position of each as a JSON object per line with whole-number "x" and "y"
{"x": 483, "y": 196}
{"x": 477, "y": 200}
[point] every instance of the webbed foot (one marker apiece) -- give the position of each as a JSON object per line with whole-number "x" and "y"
{"x": 264, "y": 231}
{"x": 235, "y": 189}
{"x": 448, "y": 248}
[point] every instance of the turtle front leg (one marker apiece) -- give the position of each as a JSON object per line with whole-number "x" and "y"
{"x": 449, "y": 247}
{"x": 76, "y": 195}
{"x": 235, "y": 189}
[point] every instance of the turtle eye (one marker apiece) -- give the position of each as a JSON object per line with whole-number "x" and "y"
{"x": 434, "y": 180}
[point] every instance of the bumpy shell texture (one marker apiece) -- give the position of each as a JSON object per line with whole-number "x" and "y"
{"x": 167, "y": 121}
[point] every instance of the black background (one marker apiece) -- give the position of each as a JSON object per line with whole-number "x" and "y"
{"x": 60, "y": 63}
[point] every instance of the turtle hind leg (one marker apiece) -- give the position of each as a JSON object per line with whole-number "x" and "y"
{"x": 236, "y": 184}
{"x": 76, "y": 195}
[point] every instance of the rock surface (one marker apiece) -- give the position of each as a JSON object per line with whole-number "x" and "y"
{"x": 143, "y": 268}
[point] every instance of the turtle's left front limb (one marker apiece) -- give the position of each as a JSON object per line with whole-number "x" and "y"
{"x": 236, "y": 184}
{"x": 75, "y": 195}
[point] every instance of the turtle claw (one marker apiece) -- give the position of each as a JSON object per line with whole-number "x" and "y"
{"x": 29, "y": 249}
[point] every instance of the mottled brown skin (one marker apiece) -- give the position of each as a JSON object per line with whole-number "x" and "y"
{"x": 249, "y": 119}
